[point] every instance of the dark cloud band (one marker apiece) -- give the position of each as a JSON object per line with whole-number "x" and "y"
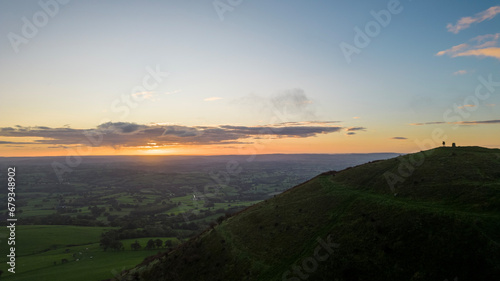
{"x": 124, "y": 134}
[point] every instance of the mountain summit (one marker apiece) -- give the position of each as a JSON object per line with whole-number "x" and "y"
{"x": 432, "y": 215}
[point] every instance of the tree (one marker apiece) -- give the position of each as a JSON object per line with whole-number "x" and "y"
{"x": 220, "y": 219}
{"x": 136, "y": 246}
{"x": 158, "y": 243}
{"x": 117, "y": 245}
{"x": 151, "y": 244}
{"x": 106, "y": 242}
{"x": 110, "y": 241}
{"x": 96, "y": 211}
{"x": 168, "y": 244}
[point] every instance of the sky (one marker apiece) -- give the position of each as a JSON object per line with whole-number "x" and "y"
{"x": 206, "y": 77}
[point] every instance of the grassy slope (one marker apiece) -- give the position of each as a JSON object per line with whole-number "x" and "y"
{"x": 443, "y": 223}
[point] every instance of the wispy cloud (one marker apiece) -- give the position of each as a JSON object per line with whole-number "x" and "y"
{"x": 291, "y": 104}
{"x": 212, "y": 99}
{"x": 487, "y": 122}
{"x": 460, "y": 72}
{"x": 352, "y": 130}
{"x": 14, "y": 142}
{"x": 307, "y": 123}
{"x": 124, "y": 134}
{"x": 459, "y": 123}
{"x": 480, "y": 46}
{"x": 172, "y": 92}
{"x": 399, "y": 138}
{"x": 427, "y": 123}
{"x": 453, "y": 50}
{"x": 487, "y": 52}
{"x": 466, "y": 105}
{"x": 145, "y": 95}
{"x": 466, "y": 22}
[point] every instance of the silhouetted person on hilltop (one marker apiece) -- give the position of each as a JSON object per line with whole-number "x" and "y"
{"x": 444, "y": 144}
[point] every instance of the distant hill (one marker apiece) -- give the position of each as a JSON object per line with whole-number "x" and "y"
{"x": 433, "y": 215}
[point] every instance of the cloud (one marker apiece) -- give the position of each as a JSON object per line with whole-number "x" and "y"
{"x": 14, "y": 142}
{"x": 487, "y": 52}
{"x": 124, "y": 134}
{"x": 465, "y": 22}
{"x": 58, "y": 147}
{"x": 145, "y": 95}
{"x": 121, "y": 127}
{"x": 306, "y": 123}
{"x": 460, "y": 72}
{"x": 485, "y": 41}
{"x": 491, "y": 104}
{"x": 293, "y": 102}
{"x": 181, "y": 131}
{"x": 466, "y": 105}
{"x": 286, "y": 131}
{"x": 399, "y": 138}
{"x": 487, "y": 122}
{"x": 453, "y": 50}
{"x": 480, "y": 46}
{"x": 427, "y": 123}
{"x": 459, "y": 123}
{"x": 172, "y": 92}
{"x": 350, "y": 129}
{"x": 212, "y": 99}
{"x": 288, "y": 105}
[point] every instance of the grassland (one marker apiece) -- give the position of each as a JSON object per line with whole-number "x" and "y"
{"x": 134, "y": 199}
{"x": 441, "y": 221}
{"x": 40, "y": 250}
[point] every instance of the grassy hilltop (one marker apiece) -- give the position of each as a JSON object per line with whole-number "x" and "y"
{"x": 433, "y": 215}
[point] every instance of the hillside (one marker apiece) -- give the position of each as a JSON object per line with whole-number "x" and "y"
{"x": 433, "y": 215}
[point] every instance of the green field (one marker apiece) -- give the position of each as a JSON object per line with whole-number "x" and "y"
{"x": 40, "y": 250}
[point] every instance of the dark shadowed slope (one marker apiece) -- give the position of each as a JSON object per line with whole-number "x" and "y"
{"x": 434, "y": 215}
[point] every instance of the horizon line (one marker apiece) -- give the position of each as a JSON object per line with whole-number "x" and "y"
{"x": 201, "y": 155}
